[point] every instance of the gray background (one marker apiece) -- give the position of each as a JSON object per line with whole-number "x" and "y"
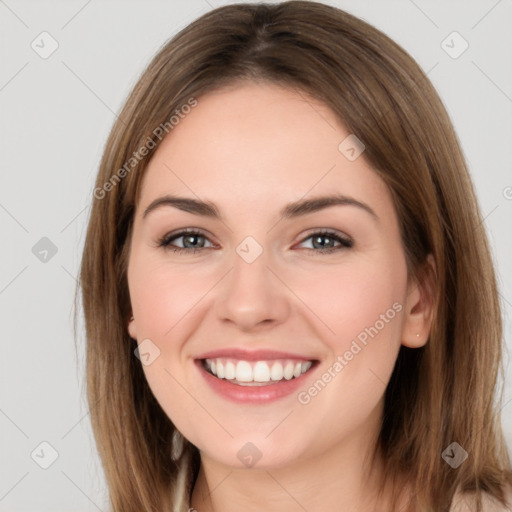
{"x": 56, "y": 115}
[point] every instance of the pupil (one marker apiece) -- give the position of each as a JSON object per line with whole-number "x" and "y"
{"x": 191, "y": 237}
{"x": 323, "y": 237}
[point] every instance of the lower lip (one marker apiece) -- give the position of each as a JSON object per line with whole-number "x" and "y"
{"x": 252, "y": 394}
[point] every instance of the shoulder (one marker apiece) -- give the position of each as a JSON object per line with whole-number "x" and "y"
{"x": 465, "y": 502}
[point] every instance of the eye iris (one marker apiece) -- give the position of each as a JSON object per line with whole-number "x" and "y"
{"x": 189, "y": 237}
{"x": 323, "y": 237}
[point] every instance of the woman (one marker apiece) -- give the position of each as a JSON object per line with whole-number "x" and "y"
{"x": 230, "y": 365}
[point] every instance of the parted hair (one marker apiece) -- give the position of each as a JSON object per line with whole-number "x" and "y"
{"x": 446, "y": 391}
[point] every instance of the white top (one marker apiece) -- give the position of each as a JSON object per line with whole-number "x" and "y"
{"x": 465, "y": 503}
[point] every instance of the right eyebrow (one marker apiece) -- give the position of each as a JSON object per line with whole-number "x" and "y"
{"x": 186, "y": 204}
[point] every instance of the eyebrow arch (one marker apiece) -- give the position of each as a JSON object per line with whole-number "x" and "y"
{"x": 291, "y": 210}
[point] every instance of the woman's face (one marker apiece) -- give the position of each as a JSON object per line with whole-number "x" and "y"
{"x": 303, "y": 340}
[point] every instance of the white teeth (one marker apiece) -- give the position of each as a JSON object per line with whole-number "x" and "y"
{"x": 306, "y": 366}
{"x": 288, "y": 371}
{"x": 261, "y": 372}
{"x": 257, "y": 371}
{"x": 243, "y": 371}
{"x": 276, "y": 373}
{"x": 230, "y": 371}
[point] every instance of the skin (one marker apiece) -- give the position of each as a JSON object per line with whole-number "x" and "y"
{"x": 250, "y": 149}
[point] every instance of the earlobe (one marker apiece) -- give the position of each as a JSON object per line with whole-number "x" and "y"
{"x": 132, "y": 329}
{"x": 419, "y": 307}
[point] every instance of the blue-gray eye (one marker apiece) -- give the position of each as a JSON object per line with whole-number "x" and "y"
{"x": 192, "y": 241}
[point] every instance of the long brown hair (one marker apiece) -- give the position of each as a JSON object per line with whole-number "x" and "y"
{"x": 441, "y": 393}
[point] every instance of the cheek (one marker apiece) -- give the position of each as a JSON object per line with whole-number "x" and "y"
{"x": 163, "y": 300}
{"x": 166, "y": 301}
{"x": 164, "y": 295}
{"x": 363, "y": 306}
{"x": 352, "y": 298}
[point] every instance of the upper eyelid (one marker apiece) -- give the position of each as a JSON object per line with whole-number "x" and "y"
{"x": 184, "y": 232}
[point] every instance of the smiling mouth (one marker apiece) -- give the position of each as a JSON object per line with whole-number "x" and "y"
{"x": 256, "y": 373}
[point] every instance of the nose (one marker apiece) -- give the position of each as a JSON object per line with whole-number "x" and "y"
{"x": 252, "y": 297}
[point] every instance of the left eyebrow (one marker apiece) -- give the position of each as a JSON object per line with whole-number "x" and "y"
{"x": 303, "y": 207}
{"x": 291, "y": 210}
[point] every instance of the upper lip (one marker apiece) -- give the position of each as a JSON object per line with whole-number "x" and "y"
{"x": 253, "y": 355}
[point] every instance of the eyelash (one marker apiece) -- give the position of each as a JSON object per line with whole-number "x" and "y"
{"x": 165, "y": 241}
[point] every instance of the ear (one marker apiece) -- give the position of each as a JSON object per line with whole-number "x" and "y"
{"x": 419, "y": 306}
{"x": 132, "y": 328}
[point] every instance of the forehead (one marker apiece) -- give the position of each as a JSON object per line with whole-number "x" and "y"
{"x": 258, "y": 145}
